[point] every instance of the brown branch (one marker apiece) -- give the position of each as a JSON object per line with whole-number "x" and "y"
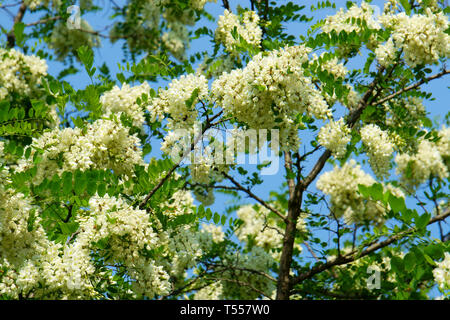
{"x": 43, "y": 21}
{"x": 353, "y": 256}
{"x": 254, "y": 196}
{"x": 11, "y": 37}
{"x": 413, "y": 86}
{"x": 242, "y": 283}
{"x": 226, "y": 5}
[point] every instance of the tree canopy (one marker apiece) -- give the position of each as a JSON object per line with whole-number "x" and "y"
{"x": 144, "y": 181}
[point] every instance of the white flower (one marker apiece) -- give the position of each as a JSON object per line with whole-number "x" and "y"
{"x": 421, "y": 37}
{"x": 20, "y": 73}
{"x": 417, "y": 168}
{"x": 124, "y": 100}
{"x": 270, "y": 92}
{"x": 341, "y": 185}
{"x": 442, "y": 272}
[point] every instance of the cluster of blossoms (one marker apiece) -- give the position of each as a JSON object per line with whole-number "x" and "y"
{"x": 64, "y": 40}
{"x": 342, "y": 20}
{"x": 429, "y": 160}
{"x": 386, "y": 53}
{"x": 128, "y": 232}
{"x": 173, "y": 100}
{"x": 270, "y": 92}
{"x": 335, "y": 136}
{"x": 421, "y": 37}
{"x": 216, "y": 232}
{"x": 180, "y": 203}
{"x": 341, "y": 184}
{"x": 442, "y": 272}
{"x": 405, "y": 112}
{"x": 175, "y": 40}
{"x": 364, "y": 264}
{"x": 33, "y": 4}
{"x": 144, "y": 20}
{"x": 20, "y": 73}
{"x": 347, "y": 21}
{"x": 379, "y": 149}
{"x": 124, "y": 100}
{"x": 212, "y": 292}
{"x": 248, "y": 29}
{"x": 103, "y": 144}
{"x": 256, "y": 259}
{"x": 330, "y": 65}
{"x": 31, "y": 265}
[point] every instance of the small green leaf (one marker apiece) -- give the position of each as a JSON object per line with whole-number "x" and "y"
{"x": 422, "y": 221}
{"x": 409, "y": 261}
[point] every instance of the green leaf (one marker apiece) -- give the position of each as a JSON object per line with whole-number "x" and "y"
{"x": 397, "y": 204}
{"x": 406, "y": 6}
{"x": 216, "y": 218}
{"x": 67, "y": 182}
{"x": 208, "y": 214}
{"x": 409, "y": 261}
{"x": 86, "y": 56}
{"x": 18, "y": 33}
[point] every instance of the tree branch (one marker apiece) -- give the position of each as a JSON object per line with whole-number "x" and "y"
{"x": 11, "y": 37}
{"x": 254, "y": 196}
{"x": 413, "y": 86}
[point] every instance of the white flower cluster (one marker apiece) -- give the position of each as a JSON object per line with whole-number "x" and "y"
{"x": 128, "y": 232}
{"x": 212, "y": 292}
{"x": 429, "y": 160}
{"x": 248, "y": 30}
{"x": 385, "y": 53}
{"x": 331, "y": 65}
{"x": 412, "y": 111}
{"x": 379, "y": 149}
{"x": 442, "y": 272}
{"x": 341, "y": 185}
{"x": 256, "y": 259}
{"x": 173, "y": 100}
{"x": 180, "y": 203}
{"x": 185, "y": 247}
{"x": 34, "y": 267}
{"x": 421, "y": 37}
{"x": 335, "y": 136}
{"x": 270, "y": 92}
{"x": 342, "y": 20}
{"x": 33, "y": 4}
{"x": 176, "y": 39}
{"x": 124, "y": 100}
{"x": 346, "y": 20}
{"x": 257, "y": 224}
{"x": 216, "y": 232}
{"x": 104, "y": 144}
{"x": 443, "y": 144}
{"x": 20, "y": 73}
{"x": 199, "y": 4}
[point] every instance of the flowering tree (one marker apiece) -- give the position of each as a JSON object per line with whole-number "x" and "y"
{"x": 363, "y": 197}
